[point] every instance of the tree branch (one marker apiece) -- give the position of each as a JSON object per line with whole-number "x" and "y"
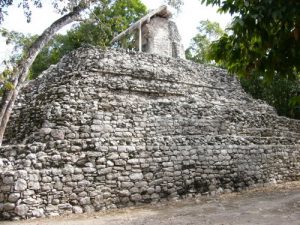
{"x": 23, "y": 67}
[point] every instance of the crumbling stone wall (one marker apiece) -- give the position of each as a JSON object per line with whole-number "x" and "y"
{"x": 161, "y": 36}
{"x": 106, "y": 129}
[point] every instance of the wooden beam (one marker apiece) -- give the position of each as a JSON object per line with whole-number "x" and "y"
{"x": 139, "y": 22}
{"x": 140, "y": 37}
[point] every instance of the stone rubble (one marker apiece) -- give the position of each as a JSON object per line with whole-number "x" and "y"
{"x": 106, "y": 129}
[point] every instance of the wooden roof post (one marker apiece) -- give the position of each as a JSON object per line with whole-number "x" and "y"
{"x": 140, "y": 37}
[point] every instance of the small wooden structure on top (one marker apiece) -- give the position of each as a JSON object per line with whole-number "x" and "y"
{"x": 156, "y": 34}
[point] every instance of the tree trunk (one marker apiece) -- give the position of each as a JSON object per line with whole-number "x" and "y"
{"x": 23, "y": 67}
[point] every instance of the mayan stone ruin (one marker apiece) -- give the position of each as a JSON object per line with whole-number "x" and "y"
{"x": 115, "y": 128}
{"x": 156, "y": 33}
{"x": 161, "y": 37}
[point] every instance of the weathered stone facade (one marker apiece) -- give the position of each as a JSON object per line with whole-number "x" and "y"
{"x": 106, "y": 129}
{"x": 161, "y": 37}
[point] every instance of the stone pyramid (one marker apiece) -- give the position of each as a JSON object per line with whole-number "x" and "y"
{"x": 105, "y": 129}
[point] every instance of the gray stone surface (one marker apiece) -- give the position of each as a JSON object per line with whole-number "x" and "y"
{"x": 21, "y": 210}
{"x": 272, "y": 205}
{"x": 126, "y": 128}
{"x": 161, "y": 36}
{"x": 20, "y": 185}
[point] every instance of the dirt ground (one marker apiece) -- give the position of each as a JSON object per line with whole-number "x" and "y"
{"x": 276, "y": 205}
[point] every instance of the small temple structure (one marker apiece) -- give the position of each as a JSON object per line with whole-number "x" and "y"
{"x": 157, "y": 34}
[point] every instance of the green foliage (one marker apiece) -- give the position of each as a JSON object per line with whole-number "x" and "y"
{"x": 103, "y": 23}
{"x": 60, "y": 6}
{"x": 281, "y": 93}
{"x": 264, "y": 38}
{"x": 26, "y": 5}
{"x": 107, "y": 19}
{"x": 5, "y": 83}
{"x": 207, "y": 32}
{"x": 263, "y": 48}
{"x": 20, "y": 43}
{"x": 176, "y": 4}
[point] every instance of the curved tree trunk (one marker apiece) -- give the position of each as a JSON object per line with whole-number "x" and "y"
{"x": 23, "y": 67}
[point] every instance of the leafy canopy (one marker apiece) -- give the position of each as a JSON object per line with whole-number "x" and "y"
{"x": 199, "y": 48}
{"x": 263, "y": 48}
{"x": 176, "y": 4}
{"x": 280, "y": 92}
{"x": 19, "y": 41}
{"x": 98, "y": 30}
{"x": 108, "y": 18}
{"x": 60, "y": 5}
{"x": 264, "y": 38}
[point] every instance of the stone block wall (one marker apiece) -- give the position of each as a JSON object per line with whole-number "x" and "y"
{"x": 161, "y": 36}
{"x": 107, "y": 129}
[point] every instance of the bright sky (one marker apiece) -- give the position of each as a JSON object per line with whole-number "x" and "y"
{"x": 187, "y": 21}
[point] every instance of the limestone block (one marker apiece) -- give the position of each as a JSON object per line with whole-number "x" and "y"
{"x": 13, "y": 197}
{"x": 21, "y": 210}
{"x": 58, "y": 134}
{"x": 38, "y": 213}
{"x": 124, "y": 193}
{"x": 8, "y": 180}
{"x": 77, "y": 209}
{"x": 136, "y": 176}
{"x": 136, "y": 197}
{"x": 20, "y": 185}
